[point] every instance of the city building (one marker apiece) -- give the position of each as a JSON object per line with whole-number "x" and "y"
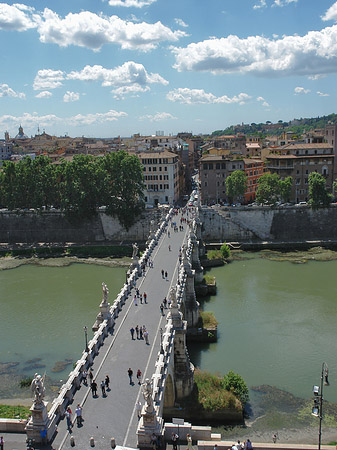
{"x": 161, "y": 177}
{"x": 254, "y": 170}
{"x": 298, "y": 161}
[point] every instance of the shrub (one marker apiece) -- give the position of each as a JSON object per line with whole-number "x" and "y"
{"x": 235, "y": 383}
{"x": 225, "y": 251}
{"x": 212, "y": 395}
{"x": 214, "y": 254}
{"x": 26, "y": 382}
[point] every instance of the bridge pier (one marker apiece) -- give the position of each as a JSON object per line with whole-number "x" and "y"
{"x": 192, "y": 313}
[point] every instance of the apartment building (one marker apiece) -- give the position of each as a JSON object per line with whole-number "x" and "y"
{"x": 298, "y": 161}
{"x": 161, "y": 177}
{"x": 254, "y": 170}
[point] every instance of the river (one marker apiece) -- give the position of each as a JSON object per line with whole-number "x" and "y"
{"x": 277, "y": 324}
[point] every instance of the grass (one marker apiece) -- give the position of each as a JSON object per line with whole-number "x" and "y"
{"x": 208, "y": 279}
{"x": 211, "y": 394}
{"x": 208, "y": 319}
{"x": 214, "y": 254}
{"x": 14, "y": 412}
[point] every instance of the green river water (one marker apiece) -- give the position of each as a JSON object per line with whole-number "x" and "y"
{"x": 277, "y": 324}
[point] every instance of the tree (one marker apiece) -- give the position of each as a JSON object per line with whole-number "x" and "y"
{"x": 285, "y": 188}
{"x": 268, "y": 188}
{"x": 334, "y": 187}
{"x": 235, "y": 383}
{"x": 318, "y": 194}
{"x": 123, "y": 186}
{"x": 236, "y": 185}
{"x": 225, "y": 251}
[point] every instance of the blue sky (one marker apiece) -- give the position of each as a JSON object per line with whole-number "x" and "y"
{"x": 118, "y": 67}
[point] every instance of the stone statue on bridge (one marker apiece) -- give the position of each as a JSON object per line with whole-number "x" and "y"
{"x": 147, "y": 393}
{"x": 134, "y": 250}
{"x": 173, "y": 297}
{"x": 37, "y": 387}
{"x": 105, "y": 292}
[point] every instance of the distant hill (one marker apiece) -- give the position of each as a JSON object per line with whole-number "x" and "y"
{"x": 297, "y": 126}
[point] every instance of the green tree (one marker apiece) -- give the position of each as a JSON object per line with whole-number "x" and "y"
{"x": 318, "y": 194}
{"x": 285, "y": 188}
{"x": 268, "y": 189}
{"x": 236, "y": 185}
{"x": 334, "y": 187}
{"x": 123, "y": 186}
{"x": 235, "y": 383}
{"x": 225, "y": 251}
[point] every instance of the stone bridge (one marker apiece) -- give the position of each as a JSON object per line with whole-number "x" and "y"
{"x": 172, "y": 247}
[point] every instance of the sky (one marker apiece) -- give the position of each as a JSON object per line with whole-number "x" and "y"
{"x": 107, "y": 68}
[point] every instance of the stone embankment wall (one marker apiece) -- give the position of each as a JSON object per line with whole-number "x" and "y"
{"x": 51, "y": 226}
{"x": 298, "y": 223}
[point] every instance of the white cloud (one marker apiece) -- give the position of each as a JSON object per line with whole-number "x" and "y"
{"x": 86, "y": 29}
{"x": 316, "y": 77}
{"x": 283, "y": 2}
{"x": 127, "y": 74}
{"x": 311, "y": 54}
{"x": 331, "y": 13}
{"x": 181, "y": 23}
{"x": 122, "y": 91}
{"x": 28, "y": 120}
{"x": 44, "y": 94}
{"x": 16, "y": 17}
{"x": 71, "y": 97}
{"x": 48, "y": 79}
{"x": 261, "y": 4}
{"x": 131, "y": 3}
{"x": 262, "y": 100}
{"x": 194, "y": 96}
{"x": 6, "y": 91}
{"x": 300, "y": 90}
{"x": 321, "y": 94}
{"x": 158, "y": 117}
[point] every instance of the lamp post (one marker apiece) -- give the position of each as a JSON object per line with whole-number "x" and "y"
{"x": 317, "y": 409}
{"x": 86, "y": 338}
{"x": 161, "y": 341}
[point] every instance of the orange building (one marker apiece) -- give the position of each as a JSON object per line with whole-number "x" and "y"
{"x": 254, "y": 170}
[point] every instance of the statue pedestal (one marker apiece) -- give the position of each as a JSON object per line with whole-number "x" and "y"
{"x": 149, "y": 423}
{"x": 38, "y": 423}
{"x": 135, "y": 263}
{"x": 102, "y": 315}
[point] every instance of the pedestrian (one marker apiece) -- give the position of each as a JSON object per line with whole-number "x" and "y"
{"x": 174, "y": 439}
{"x": 135, "y": 300}
{"x": 137, "y": 331}
{"x": 169, "y": 234}
{"x": 166, "y": 275}
{"x": 140, "y": 333}
{"x": 139, "y": 376}
{"x": 239, "y": 446}
{"x": 2, "y": 442}
{"x": 103, "y": 388}
{"x": 249, "y": 445}
{"x": 141, "y": 299}
{"x": 94, "y": 388}
{"x": 169, "y": 303}
{"x": 145, "y": 297}
{"x": 146, "y": 336}
{"x": 162, "y": 309}
{"x": 132, "y": 331}
{"x": 189, "y": 442}
{"x": 169, "y": 247}
{"x": 165, "y": 302}
{"x": 91, "y": 376}
{"x": 130, "y": 373}
{"x": 139, "y": 409}
{"x": 68, "y": 418}
{"x": 78, "y": 412}
{"x": 137, "y": 292}
{"x": 154, "y": 441}
{"x": 162, "y": 273}
{"x": 84, "y": 377}
{"x": 275, "y": 436}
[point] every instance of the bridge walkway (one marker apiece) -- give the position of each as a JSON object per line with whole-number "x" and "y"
{"x": 115, "y": 415}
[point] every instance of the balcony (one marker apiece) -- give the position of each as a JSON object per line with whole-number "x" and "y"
{"x": 282, "y": 167}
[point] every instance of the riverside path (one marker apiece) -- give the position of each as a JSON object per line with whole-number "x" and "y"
{"x": 115, "y": 416}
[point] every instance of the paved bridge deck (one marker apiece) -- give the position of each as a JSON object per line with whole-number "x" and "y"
{"x": 115, "y": 415}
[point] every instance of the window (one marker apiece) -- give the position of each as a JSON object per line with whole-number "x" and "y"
{"x": 205, "y": 183}
{"x": 297, "y": 172}
{"x": 210, "y": 166}
{"x": 160, "y": 177}
{"x": 298, "y": 181}
{"x": 160, "y": 168}
{"x": 217, "y": 166}
{"x": 149, "y": 169}
{"x": 154, "y": 169}
{"x": 165, "y": 168}
{"x": 223, "y": 166}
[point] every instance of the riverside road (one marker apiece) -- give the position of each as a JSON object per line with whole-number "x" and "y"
{"x": 115, "y": 415}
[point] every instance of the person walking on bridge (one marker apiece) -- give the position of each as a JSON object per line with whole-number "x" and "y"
{"x": 139, "y": 376}
{"x": 132, "y": 331}
{"x": 130, "y": 373}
